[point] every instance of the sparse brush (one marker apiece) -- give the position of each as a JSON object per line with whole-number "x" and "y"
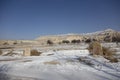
{"x": 107, "y": 52}
{"x": 35, "y": 53}
{"x": 5, "y": 43}
{"x": 52, "y": 62}
{"x": 15, "y": 43}
{"x": 112, "y": 59}
{"x": 0, "y": 52}
{"x": 95, "y": 48}
{"x": 10, "y": 53}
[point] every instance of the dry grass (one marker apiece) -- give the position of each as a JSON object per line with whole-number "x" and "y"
{"x": 95, "y": 48}
{"x": 112, "y": 59}
{"x": 0, "y": 52}
{"x": 107, "y": 52}
{"x": 5, "y": 43}
{"x": 52, "y": 62}
{"x": 35, "y": 53}
{"x": 9, "y": 53}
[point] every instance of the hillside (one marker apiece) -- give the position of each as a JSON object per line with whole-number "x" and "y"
{"x": 105, "y": 35}
{"x": 108, "y": 35}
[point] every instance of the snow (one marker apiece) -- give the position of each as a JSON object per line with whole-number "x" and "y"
{"x": 73, "y": 65}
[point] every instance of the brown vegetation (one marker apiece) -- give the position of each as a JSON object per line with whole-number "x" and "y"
{"x": 0, "y": 52}
{"x": 35, "y": 53}
{"x": 15, "y": 43}
{"x": 52, "y": 62}
{"x": 5, "y": 43}
{"x": 96, "y": 49}
{"x": 49, "y": 42}
{"x": 65, "y": 41}
{"x": 75, "y": 41}
{"x": 88, "y": 41}
{"x": 116, "y": 37}
{"x": 107, "y": 52}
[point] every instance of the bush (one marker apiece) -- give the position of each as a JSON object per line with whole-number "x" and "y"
{"x": 88, "y": 41}
{"x": 112, "y": 59}
{"x": 65, "y": 41}
{"x": 5, "y": 43}
{"x": 107, "y": 38}
{"x": 75, "y": 41}
{"x": 107, "y": 52}
{"x": 35, "y": 53}
{"x": 0, "y": 52}
{"x": 15, "y": 43}
{"x": 49, "y": 42}
{"x": 116, "y": 37}
{"x": 95, "y": 48}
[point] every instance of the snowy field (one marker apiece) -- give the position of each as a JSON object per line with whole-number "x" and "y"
{"x": 58, "y": 65}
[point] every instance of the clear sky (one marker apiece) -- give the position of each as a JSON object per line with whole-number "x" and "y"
{"x": 28, "y": 19}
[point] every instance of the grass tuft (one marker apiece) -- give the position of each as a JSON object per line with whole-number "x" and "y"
{"x": 0, "y": 52}
{"x": 35, "y": 53}
{"x": 95, "y": 48}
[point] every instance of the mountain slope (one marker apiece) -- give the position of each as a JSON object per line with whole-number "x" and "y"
{"x": 107, "y": 35}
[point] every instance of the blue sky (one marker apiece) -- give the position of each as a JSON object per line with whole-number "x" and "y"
{"x": 28, "y": 19}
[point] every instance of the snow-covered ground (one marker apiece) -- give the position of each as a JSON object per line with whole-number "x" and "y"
{"x": 58, "y": 65}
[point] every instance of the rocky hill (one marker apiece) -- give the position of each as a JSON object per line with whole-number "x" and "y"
{"x": 107, "y": 35}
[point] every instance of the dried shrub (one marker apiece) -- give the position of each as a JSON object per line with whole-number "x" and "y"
{"x": 95, "y": 48}
{"x": 15, "y": 43}
{"x": 116, "y": 37}
{"x": 112, "y": 59}
{"x": 52, "y": 62}
{"x": 88, "y": 41}
{"x": 107, "y": 52}
{"x": 5, "y": 43}
{"x": 0, "y": 52}
{"x": 107, "y": 38}
{"x": 10, "y": 53}
{"x": 65, "y": 41}
{"x": 75, "y": 41}
{"x": 49, "y": 42}
{"x": 35, "y": 53}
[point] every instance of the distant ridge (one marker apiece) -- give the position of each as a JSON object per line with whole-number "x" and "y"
{"x": 108, "y": 35}
{"x": 98, "y": 35}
